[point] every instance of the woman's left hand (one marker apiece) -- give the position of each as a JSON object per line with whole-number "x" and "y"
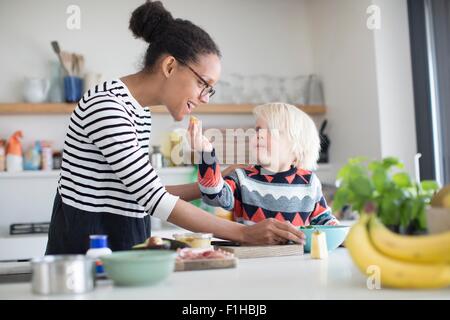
{"x": 231, "y": 168}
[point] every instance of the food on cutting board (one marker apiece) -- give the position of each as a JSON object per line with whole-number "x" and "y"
{"x": 155, "y": 241}
{"x": 192, "y": 254}
{"x": 413, "y": 262}
{"x": 189, "y": 259}
{"x": 195, "y": 240}
{"x": 160, "y": 243}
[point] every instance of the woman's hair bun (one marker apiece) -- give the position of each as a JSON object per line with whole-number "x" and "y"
{"x": 150, "y": 20}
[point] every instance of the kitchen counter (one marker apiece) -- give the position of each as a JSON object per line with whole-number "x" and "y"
{"x": 294, "y": 277}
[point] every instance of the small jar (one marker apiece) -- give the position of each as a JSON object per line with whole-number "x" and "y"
{"x": 46, "y": 156}
{"x": 195, "y": 240}
{"x": 156, "y": 158}
{"x": 57, "y": 159}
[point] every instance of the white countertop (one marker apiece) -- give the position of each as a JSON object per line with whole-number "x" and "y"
{"x": 295, "y": 277}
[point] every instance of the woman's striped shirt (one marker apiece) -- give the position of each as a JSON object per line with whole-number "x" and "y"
{"x": 106, "y": 166}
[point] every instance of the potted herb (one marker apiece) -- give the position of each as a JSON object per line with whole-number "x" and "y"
{"x": 400, "y": 203}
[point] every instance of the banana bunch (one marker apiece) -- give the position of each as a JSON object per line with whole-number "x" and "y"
{"x": 417, "y": 262}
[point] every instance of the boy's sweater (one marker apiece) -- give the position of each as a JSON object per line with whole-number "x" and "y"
{"x": 253, "y": 194}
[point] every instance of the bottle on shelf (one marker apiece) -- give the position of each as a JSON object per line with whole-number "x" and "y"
{"x": 57, "y": 160}
{"x": 156, "y": 159}
{"x": 2, "y": 155}
{"x": 14, "y": 158}
{"x": 32, "y": 158}
{"x": 47, "y": 156}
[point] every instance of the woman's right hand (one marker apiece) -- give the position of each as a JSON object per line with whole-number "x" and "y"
{"x": 272, "y": 231}
{"x": 197, "y": 140}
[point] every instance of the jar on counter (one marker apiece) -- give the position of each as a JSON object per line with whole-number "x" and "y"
{"x": 195, "y": 240}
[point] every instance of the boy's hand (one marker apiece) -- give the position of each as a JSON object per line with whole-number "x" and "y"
{"x": 197, "y": 141}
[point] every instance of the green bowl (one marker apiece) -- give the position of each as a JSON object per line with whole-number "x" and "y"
{"x": 139, "y": 268}
{"x": 335, "y": 235}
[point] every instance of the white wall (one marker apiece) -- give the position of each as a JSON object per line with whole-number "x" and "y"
{"x": 344, "y": 57}
{"x": 367, "y": 78}
{"x": 254, "y": 36}
{"x": 366, "y": 74}
{"x": 394, "y": 81}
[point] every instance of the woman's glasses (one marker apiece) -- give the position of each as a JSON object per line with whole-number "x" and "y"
{"x": 207, "y": 90}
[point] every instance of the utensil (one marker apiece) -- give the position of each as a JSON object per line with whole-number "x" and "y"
{"x": 62, "y": 274}
{"x": 75, "y": 64}
{"x": 139, "y": 267}
{"x": 67, "y": 61}
{"x": 324, "y": 143}
{"x": 80, "y": 63}
{"x": 57, "y": 49}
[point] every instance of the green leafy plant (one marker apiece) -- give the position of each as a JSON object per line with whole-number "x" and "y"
{"x": 400, "y": 202}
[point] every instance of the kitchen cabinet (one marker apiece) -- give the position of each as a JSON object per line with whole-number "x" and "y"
{"x": 27, "y": 197}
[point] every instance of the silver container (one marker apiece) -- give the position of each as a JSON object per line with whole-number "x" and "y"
{"x": 61, "y": 274}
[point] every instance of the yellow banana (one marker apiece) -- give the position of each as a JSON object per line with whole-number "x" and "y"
{"x": 393, "y": 273}
{"x": 426, "y": 248}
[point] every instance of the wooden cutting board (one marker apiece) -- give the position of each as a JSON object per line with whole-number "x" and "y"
{"x": 245, "y": 252}
{"x": 204, "y": 264}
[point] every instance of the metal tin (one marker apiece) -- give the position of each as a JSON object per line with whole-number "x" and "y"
{"x": 60, "y": 274}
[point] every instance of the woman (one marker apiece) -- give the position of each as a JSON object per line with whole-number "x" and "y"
{"x": 107, "y": 185}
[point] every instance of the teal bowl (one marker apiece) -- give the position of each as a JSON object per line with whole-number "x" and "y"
{"x": 335, "y": 235}
{"x": 139, "y": 267}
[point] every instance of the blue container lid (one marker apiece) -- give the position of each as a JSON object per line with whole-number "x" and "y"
{"x": 99, "y": 241}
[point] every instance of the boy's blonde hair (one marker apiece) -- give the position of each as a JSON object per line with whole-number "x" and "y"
{"x": 299, "y": 128}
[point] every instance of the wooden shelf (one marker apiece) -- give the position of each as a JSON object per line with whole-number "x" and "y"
{"x": 39, "y": 174}
{"x": 65, "y": 108}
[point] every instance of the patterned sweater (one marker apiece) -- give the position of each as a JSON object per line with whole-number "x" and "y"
{"x": 253, "y": 195}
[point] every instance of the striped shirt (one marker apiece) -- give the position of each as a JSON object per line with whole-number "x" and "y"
{"x": 106, "y": 166}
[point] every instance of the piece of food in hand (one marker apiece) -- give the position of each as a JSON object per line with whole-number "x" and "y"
{"x": 194, "y": 120}
{"x": 319, "y": 248}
